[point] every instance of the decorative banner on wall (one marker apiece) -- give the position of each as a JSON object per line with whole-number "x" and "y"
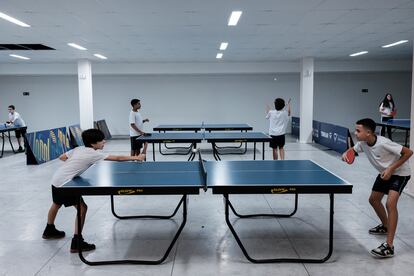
{"x": 102, "y": 126}
{"x": 295, "y": 126}
{"x": 46, "y": 145}
{"x": 332, "y": 136}
{"x": 316, "y": 131}
{"x": 75, "y": 134}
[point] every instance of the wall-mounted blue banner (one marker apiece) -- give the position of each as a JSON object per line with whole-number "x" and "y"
{"x": 46, "y": 145}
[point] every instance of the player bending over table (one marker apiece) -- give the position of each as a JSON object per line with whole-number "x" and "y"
{"x": 76, "y": 162}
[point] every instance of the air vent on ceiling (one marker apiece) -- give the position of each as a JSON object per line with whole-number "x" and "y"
{"x": 25, "y": 47}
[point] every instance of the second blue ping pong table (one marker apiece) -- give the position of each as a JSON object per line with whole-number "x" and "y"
{"x": 213, "y": 138}
{"x": 206, "y": 127}
{"x": 403, "y": 124}
{"x": 224, "y": 178}
{"x": 7, "y": 129}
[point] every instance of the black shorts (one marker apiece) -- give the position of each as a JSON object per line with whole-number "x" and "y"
{"x": 395, "y": 183}
{"x": 136, "y": 145}
{"x": 277, "y": 141}
{"x": 60, "y": 198}
{"x": 20, "y": 132}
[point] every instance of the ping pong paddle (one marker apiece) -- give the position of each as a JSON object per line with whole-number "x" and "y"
{"x": 394, "y": 113}
{"x": 350, "y": 156}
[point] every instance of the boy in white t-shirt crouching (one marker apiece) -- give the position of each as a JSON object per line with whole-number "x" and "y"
{"x": 278, "y": 121}
{"x": 76, "y": 162}
{"x": 390, "y": 159}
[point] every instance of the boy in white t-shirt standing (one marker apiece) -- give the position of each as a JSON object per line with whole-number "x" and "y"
{"x": 278, "y": 121}
{"x": 16, "y": 120}
{"x": 136, "y": 128}
{"x": 76, "y": 162}
{"x": 390, "y": 159}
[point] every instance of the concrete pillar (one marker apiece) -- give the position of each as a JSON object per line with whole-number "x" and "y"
{"x": 85, "y": 94}
{"x": 306, "y": 100}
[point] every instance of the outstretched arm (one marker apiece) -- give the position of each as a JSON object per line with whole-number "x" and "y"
{"x": 289, "y": 107}
{"x": 267, "y": 108}
{"x": 140, "y": 157}
{"x": 137, "y": 129}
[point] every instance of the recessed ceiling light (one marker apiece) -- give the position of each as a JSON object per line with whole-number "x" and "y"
{"x": 13, "y": 20}
{"x": 74, "y": 45}
{"x": 234, "y": 18}
{"x": 358, "y": 54}
{"x": 100, "y": 56}
{"x": 395, "y": 43}
{"x": 19, "y": 57}
{"x": 223, "y": 45}
{"x": 219, "y": 55}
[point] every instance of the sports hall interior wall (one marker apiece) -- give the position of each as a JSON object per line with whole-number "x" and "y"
{"x": 221, "y": 98}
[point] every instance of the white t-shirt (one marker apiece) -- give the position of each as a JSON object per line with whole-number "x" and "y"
{"x": 79, "y": 160}
{"x": 386, "y": 110}
{"x": 278, "y": 121}
{"x": 135, "y": 118}
{"x": 383, "y": 154}
{"x": 16, "y": 119}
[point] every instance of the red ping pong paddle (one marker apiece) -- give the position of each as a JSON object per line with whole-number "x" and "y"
{"x": 350, "y": 156}
{"x": 394, "y": 113}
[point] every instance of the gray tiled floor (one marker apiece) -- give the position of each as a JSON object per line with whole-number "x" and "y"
{"x": 206, "y": 246}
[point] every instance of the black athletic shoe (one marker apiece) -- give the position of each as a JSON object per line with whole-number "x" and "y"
{"x": 20, "y": 149}
{"x": 52, "y": 233}
{"x": 383, "y": 251}
{"x": 84, "y": 245}
{"x": 378, "y": 230}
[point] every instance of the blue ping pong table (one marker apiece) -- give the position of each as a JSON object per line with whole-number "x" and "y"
{"x": 403, "y": 124}
{"x": 3, "y": 129}
{"x": 224, "y": 178}
{"x": 138, "y": 178}
{"x": 205, "y": 127}
{"x": 213, "y": 138}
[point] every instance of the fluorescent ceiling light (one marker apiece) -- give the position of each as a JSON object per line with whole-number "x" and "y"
{"x": 395, "y": 43}
{"x": 74, "y": 45}
{"x": 234, "y": 18}
{"x": 358, "y": 54}
{"x": 223, "y": 45}
{"x": 219, "y": 55}
{"x": 100, "y": 56}
{"x": 20, "y": 57}
{"x": 13, "y": 20}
